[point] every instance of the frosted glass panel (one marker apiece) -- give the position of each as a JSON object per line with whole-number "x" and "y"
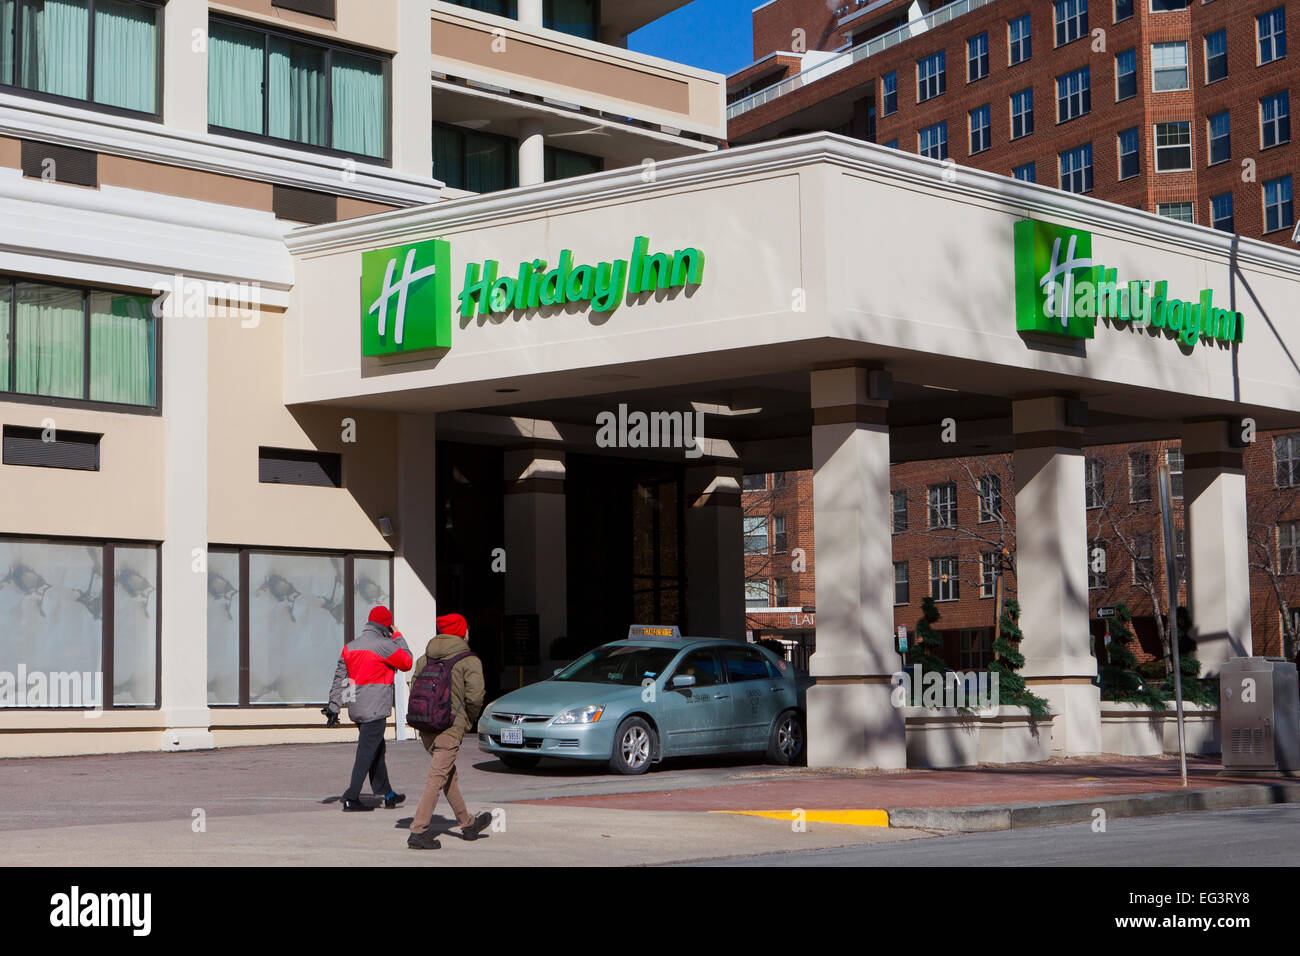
{"x": 295, "y": 627}
{"x": 371, "y": 576}
{"x": 223, "y": 628}
{"x": 135, "y": 625}
{"x": 51, "y": 607}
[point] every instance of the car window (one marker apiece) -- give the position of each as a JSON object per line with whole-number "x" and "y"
{"x": 745, "y": 663}
{"x": 620, "y": 664}
{"x": 703, "y": 666}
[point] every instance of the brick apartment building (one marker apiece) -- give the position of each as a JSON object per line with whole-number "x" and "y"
{"x": 1176, "y": 107}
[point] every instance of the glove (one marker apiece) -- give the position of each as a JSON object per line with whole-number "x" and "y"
{"x": 331, "y": 715}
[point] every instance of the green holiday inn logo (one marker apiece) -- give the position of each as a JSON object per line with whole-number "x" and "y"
{"x": 406, "y": 296}
{"x": 1062, "y": 290}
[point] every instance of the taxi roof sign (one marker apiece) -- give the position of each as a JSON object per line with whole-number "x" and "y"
{"x": 654, "y": 632}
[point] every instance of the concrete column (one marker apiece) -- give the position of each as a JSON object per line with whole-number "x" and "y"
{"x": 1052, "y": 571}
{"x": 715, "y": 563}
{"x": 536, "y": 542}
{"x": 415, "y": 562}
{"x": 1218, "y": 570}
{"x": 184, "y": 586}
{"x": 412, "y": 144}
{"x": 851, "y": 720}
{"x": 532, "y": 153}
{"x": 185, "y": 92}
{"x": 530, "y": 12}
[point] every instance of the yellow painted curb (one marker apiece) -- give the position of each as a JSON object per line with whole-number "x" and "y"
{"x": 852, "y": 818}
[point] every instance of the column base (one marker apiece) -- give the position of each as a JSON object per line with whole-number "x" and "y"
{"x": 1076, "y": 728}
{"x": 187, "y": 738}
{"x": 855, "y": 725}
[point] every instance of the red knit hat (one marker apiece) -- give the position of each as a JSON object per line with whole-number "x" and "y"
{"x": 381, "y": 615}
{"x": 453, "y": 624}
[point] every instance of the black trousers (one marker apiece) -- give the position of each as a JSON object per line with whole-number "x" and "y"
{"x": 370, "y": 761}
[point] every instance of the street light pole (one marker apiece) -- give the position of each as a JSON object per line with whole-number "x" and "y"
{"x": 1171, "y": 580}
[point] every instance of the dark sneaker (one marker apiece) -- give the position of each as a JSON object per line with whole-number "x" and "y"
{"x": 480, "y": 824}
{"x": 423, "y": 841}
{"x": 355, "y": 806}
{"x": 393, "y": 799}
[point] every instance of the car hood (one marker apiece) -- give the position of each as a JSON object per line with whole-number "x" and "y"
{"x": 550, "y": 697}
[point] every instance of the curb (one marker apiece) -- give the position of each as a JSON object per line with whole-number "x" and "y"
{"x": 1016, "y": 816}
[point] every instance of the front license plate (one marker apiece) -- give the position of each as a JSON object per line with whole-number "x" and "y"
{"x": 512, "y": 735}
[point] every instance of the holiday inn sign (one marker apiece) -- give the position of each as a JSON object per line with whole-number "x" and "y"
{"x": 1062, "y": 291}
{"x": 406, "y": 296}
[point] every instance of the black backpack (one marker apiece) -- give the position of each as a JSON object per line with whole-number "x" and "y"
{"x": 429, "y": 706}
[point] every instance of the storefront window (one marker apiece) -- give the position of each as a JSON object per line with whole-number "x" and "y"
{"x": 135, "y": 626}
{"x": 295, "y": 629}
{"x": 297, "y": 90}
{"x": 223, "y": 627}
{"x": 46, "y": 48}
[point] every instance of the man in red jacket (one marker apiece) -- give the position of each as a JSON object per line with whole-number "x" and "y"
{"x": 367, "y": 665}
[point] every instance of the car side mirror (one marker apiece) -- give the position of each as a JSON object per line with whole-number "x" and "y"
{"x": 684, "y": 680}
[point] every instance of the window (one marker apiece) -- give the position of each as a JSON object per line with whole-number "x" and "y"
{"x": 566, "y": 163}
{"x": 1071, "y": 20}
{"x": 899, "y": 499}
{"x": 77, "y": 344}
{"x": 1216, "y": 56}
{"x": 778, "y": 534}
{"x": 298, "y": 90}
{"x": 756, "y": 535}
{"x": 1076, "y": 169}
{"x": 943, "y": 579}
{"x": 933, "y": 141}
{"x": 291, "y": 466}
{"x": 889, "y": 94}
{"x": 294, "y": 600}
{"x": 1278, "y": 212}
{"x": 1288, "y": 546}
{"x": 1022, "y": 113}
{"x": 977, "y": 57}
{"x": 1094, "y": 482}
{"x": 703, "y": 664}
{"x": 1073, "y": 94}
{"x": 779, "y": 480}
{"x": 104, "y": 53}
{"x": 931, "y": 76}
{"x": 943, "y": 506}
{"x": 1178, "y": 211}
{"x": 1123, "y": 10}
{"x": 892, "y": 144}
{"x": 1144, "y": 566}
{"x": 1271, "y": 29}
{"x": 754, "y": 483}
{"x": 1169, "y": 67}
{"x": 1173, "y": 147}
{"x": 988, "y": 574}
{"x": 782, "y": 588}
{"x": 1220, "y": 131}
{"x": 757, "y": 594}
{"x": 1126, "y": 75}
{"x": 1286, "y": 459}
{"x": 990, "y": 492}
{"x": 745, "y": 664}
{"x": 1174, "y": 459}
{"x": 1019, "y": 42}
{"x": 1167, "y": 6}
{"x": 579, "y": 18}
{"x": 475, "y": 161}
{"x": 1275, "y": 119}
{"x": 1097, "y": 564}
{"x": 1129, "y": 164}
{"x": 976, "y": 648}
{"x": 980, "y": 129}
{"x": 1221, "y": 213}
{"x": 1139, "y": 476}
{"x": 1026, "y": 174}
{"x": 902, "y": 584}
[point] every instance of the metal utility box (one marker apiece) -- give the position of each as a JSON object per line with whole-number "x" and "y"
{"x": 1259, "y": 707}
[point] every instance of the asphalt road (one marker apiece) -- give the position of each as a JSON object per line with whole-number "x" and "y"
{"x": 1261, "y": 836}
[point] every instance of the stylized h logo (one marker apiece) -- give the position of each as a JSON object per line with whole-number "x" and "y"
{"x": 1065, "y": 269}
{"x": 423, "y": 294}
{"x": 1048, "y": 261}
{"x": 401, "y": 290}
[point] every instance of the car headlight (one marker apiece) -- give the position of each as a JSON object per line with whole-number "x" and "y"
{"x": 580, "y": 715}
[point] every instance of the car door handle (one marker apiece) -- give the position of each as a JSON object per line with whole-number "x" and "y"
{"x": 721, "y": 696}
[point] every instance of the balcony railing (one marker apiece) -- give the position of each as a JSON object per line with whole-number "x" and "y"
{"x": 855, "y": 55}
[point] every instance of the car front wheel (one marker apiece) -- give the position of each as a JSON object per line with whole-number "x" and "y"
{"x": 634, "y": 747}
{"x": 786, "y": 744}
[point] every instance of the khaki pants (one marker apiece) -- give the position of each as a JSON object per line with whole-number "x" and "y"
{"x": 442, "y": 779}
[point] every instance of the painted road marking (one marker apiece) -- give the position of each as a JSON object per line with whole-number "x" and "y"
{"x": 852, "y": 818}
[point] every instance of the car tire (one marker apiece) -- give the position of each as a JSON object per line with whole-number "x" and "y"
{"x": 519, "y": 761}
{"x": 787, "y": 745}
{"x": 635, "y": 746}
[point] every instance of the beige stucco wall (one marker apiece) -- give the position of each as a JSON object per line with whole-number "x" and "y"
{"x": 360, "y": 22}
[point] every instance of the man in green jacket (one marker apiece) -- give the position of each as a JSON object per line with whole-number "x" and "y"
{"x": 466, "y": 703}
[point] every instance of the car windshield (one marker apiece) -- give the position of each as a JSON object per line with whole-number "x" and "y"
{"x": 618, "y": 664}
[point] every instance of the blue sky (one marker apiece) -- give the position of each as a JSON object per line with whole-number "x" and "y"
{"x": 709, "y": 34}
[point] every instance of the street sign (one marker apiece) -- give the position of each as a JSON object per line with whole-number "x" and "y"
{"x": 902, "y": 639}
{"x": 1104, "y": 612}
